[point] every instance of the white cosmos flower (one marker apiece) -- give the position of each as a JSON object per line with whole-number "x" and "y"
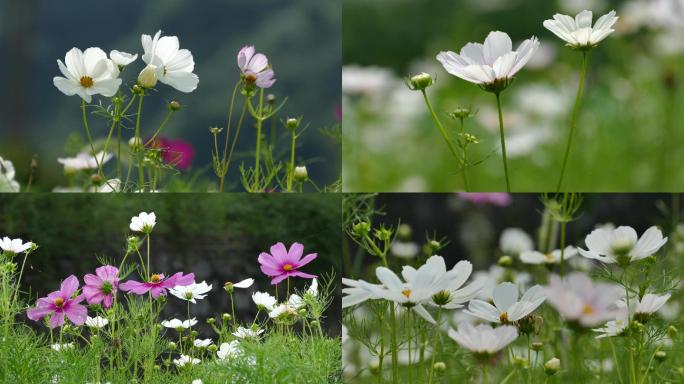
{"x": 614, "y": 327}
{"x": 7, "y": 174}
{"x": 96, "y": 322}
{"x": 313, "y": 288}
{"x": 453, "y": 293}
{"x": 122, "y": 59}
{"x": 144, "y": 222}
{"x": 174, "y": 66}
{"x": 483, "y": 339}
{"x": 282, "y": 310}
{"x": 495, "y": 275}
{"x": 514, "y": 241}
{"x": 357, "y": 292}
{"x": 14, "y": 246}
{"x": 229, "y": 350}
{"x": 62, "y": 347}
{"x": 247, "y": 333}
{"x": 295, "y": 301}
{"x": 621, "y": 244}
{"x": 264, "y": 300}
{"x": 202, "y": 343}
{"x": 246, "y": 283}
{"x": 191, "y": 292}
{"x": 493, "y": 63}
{"x": 577, "y": 298}
{"x": 578, "y": 32}
{"x": 507, "y": 308}
{"x": 87, "y": 73}
{"x": 404, "y": 249}
{"x": 197, "y": 381}
{"x": 554, "y": 257}
{"x": 175, "y": 323}
{"x": 84, "y": 161}
{"x": 650, "y": 303}
{"x": 184, "y": 360}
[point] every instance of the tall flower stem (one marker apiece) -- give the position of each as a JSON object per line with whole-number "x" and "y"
{"x": 90, "y": 137}
{"x": 573, "y": 118}
{"x": 562, "y": 249}
{"x": 632, "y": 369}
{"x": 464, "y": 171}
{"x": 503, "y": 141}
{"x": 138, "y": 144}
{"x": 260, "y": 121}
{"x": 393, "y": 345}
{"x": 439, "y": 125}
{"x": 290, "y": 174}
{"x": 225, "y": 144}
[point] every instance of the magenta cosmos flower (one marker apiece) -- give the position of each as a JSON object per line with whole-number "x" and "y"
{"x": 254, "y": 67}
{"x": 61, "y": 303}
{"x": 157, "y": 284}
{"x": 485, "y": 198}
{"x": 281, "y": 263}
{"x": 101, "y": 287}
{"x": 178, "y": 153}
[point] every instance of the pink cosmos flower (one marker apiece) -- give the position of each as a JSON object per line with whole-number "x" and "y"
{"x": 178, "y": 153}
{"x": 494, "y": 198}
{"x": 157, "y": 284}
{"x": 281, "y": 263}
{"x": 101, "y": 287}
{"x": 61, "y": 303}
{"x": 255, "y": 68}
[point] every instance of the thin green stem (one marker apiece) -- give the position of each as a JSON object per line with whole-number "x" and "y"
{"x": 260, "y": 121}
{"x": 232, "y": 146}
{"x": 393, "y": 345}
{"x": 502, "y": 137}
{"x": 139, "y": 146}
{"x": 573, "y": 118}
{"x": 90, "y": 137}
{"x": 562, "y": 249}
{"x": 290, "y": 174}
{"x": 161, "y": 126}
{"x": 485, "y": 374}
{"x": 464, "y": 169}
{"x": 615, "y": 359}
{"x": 439, "y": 126}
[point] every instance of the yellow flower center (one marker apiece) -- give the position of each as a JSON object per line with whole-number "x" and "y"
{"x": 549, "y": 257}
{"x": 250, "y": 78}
{"x": 59, "y": 302}
{"x": 587, "y": 309}
{"x": 287, "y": 267}
{"x": 406, "y": 292}
{"x": 86, "y": 81}
{"x": 503, "y": 317}
{"x": 155, "y": 278}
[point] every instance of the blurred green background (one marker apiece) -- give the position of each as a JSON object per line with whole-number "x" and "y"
{"x": 628, "y": 135}
{"x": 300, "y": 37}
{"x": 218, "y": 237}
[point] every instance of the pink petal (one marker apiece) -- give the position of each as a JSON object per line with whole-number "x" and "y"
{"x": 296, "y": 252}
{"x": 307, "y": 259}
{"x": 108, "y": 300}
{"x": 135, "y": 287}
{"x": 91, "y": 279}
{"x": 302, "y": 274}
{"x": 270, "y": 271}
{"x": 107, "y": 272}
{"x": 278, "y": 279}
{"x": 57, "y": 319}
{"x": 268, "y": 260}
{"x": 38, "y": 312}
{"x": 279, "y": 253}
{"x": 157, "y": 291}
{"x": 69, "y": 286}
{"x": 76, "y": 313}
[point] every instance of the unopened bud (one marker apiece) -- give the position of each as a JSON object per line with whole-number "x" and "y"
{"x": 660, "y": 356}
{"x": 174, "y": 106}
{"x": 552, "y": 366}
{"x": 420, "y": 81}
{"x": 292, "y": 123}
{"x": 505, "y": 261}
{"x": 301, "y": 174}
{"x": 148, "y": 76}
{"x": 439, "y": 366}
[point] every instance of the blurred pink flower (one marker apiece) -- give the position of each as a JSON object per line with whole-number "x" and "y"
{"x": 101, "y": 287}
{"x": 494, "y": 198}
{"x": 281, "y": 263}
{"x": 338, "y": 113}
{"x": 178, "y": 153}
{"x": 61, "y": 303}
{"x": 157, "y": 284}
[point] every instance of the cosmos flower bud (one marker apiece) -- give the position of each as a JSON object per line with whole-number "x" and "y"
{"x": 672, "y": 331}
{"x": 461, "y": 113}
{"x": 537, "y": 345}
{"x": 505, "y": 261}
{"x": 134, "y": 143}
{"x": 660, "y": 356}
{"x": 228, "y": 287}
{"x": 138, "y": 89}
{"x": 292, "y": 123}
{"x": 171, "y": 346}
{"x": 302, "y": 312}
{"x": 212, "y": 348}
{"x": 148, "y": 77}
{"x": 420, "y": 81}
{"x": 174, "y": 106}
{"x": 552, "y": 366}
{"x": 215, "y": 130}
{"x": 194, "y": 333}
{"x": 362, "y": 228}
{"x": 434, "y": 245}
{"x": 301, "y": 174}
{"x": 519, "y": 362}
{"x": 226, "y": 317}
{"x": 439, "y": 366}
{"x": 404, "y": 231}
{"x": 96, "y": 180}
{"x": 211, "y": 320}
{"x": 374, "y": 367}
{"x": 314, "y": 323}
{"x": 383, "y": 234}
{"x": 270, "y": 98}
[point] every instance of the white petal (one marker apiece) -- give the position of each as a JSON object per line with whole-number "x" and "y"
{"x": 583, "y": 19}
{"x": 505, "y": 294}
{"x": 496, "y": 44}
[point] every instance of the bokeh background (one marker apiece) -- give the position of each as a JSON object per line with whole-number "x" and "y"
{"x": 627, "y": 138}
{"x": 218, "y": 237}
{"x": 300, "y": 37}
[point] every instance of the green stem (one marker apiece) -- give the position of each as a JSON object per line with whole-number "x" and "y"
{"x": 485, "y": 374}
{"x": 393, "y": 345}
{"x": 464, "y": 169}
{"x": 503, "y": 141}
{"x": 232, "y": 146}
{"x": 161, "y": 126}
{"x": 139, "y": 146}
{"x": 290, "y": 175}
{"x": 562, "y": 249}
{"x": 258, "y": 141}
{"x": 90, "y": 137}
{"x": 439, "y": 126}
{"x": 573, "y": 118}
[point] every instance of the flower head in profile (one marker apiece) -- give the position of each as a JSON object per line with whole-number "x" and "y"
{"x": 191, "y": 292}
{"x": 87, "y": 73}
{"x": 514, "y": 241}
{"x": 15, "y": 246}
{"x": 96, "y": 322}
{"x": 84, "y": 161}
{"x": 102, "y": 286}
{"x": 229, "y": 350}
{"x": 122, "y": 59}
{"x": 507, "y": 308}
{"x": 229, "y": 286}
{"x": 622, "y": 245}
{"x": 578, "y": 33}
{"x": 179, "y": 324}
{"x": 254, "y": 67}
{"x": 491, "y": 65}
{"x": 553, "y": 257}
{"x": 173, "y": 66}
{"x": 264, "y": 301}
{"x": 247, "y": 333}
{"x": 202, "y": 343}
{"x": 580, "y": 300}
{"x": 281, "y": 263}
{"x": 158, "y": 284}
{"x": 7, "y": 174}
{"x": 144, "y": 222}
{"x": 61, "y": 303}
{"x": 483, "y": 340}
{"x": 613, "y": 327}
{"x": 650, "y": 304}
{"x": 184, "y": 360}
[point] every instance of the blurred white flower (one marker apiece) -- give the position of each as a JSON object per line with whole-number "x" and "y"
{"x": 514, "y": 241}
{"x": 575, "y": 6}
{"x": 144, "y": 222}
{"x": 229, "y": 350}
{"x": 96, "y": 322}
{"x": 295, "y": 301}
{"x": 174, "y": 65}
{"x": 247, "y": 333}
{"x": 553, "y": 257}
{"x": 650, "y": 303}
{"x": 614, "y": 327}
{"x": 111, "y": 185}
{"x": 507, "y": 308}
{"x": 184, "y": 360}
{"x": 122, "y": 59}
{"x": 14, "y": 246}
{"x": 358, "y": 291}
{"x": 483, "y": 339}
{"x": 176, "y": 324}
{"x": 313, "y": 288}
{"x": 358, "y": 80}
{"x": 87, "y": 73}
{"x": 578, "y": 299}
{"x": 622, "y": 245}
{"x": 264, "y": 301}
{"x": 7, "y": 174}
{"x": 493, "y": 63}
{"x": 495, "y": 275}
{"x": 62, "y": 347}
{"x": 84, "y": 161}
{"x": 202, "y": 343}
{"x": 578, "y": 32}
{"x": 191, "y": 292}
{"x": 282, "y": 310}
{"x": 404, "y": 249}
